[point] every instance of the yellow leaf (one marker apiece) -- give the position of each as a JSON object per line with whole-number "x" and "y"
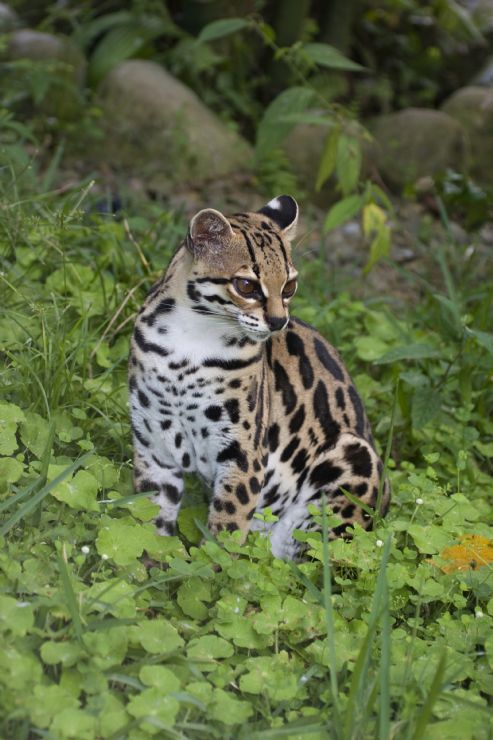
{"x": 374, "y": 218}
{"x": 473, "y": 552}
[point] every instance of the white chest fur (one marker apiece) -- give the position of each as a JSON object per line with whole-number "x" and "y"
{"x": 178, "y": 396}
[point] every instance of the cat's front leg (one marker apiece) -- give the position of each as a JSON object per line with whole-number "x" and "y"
{"x": 165, "y": 481}
{"x": 235, "y": 498}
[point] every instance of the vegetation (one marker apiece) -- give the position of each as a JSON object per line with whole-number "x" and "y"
{"x": 112, "y": 632}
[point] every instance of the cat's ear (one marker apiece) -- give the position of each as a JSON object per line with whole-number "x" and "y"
{"x": 283, "y": 210}
{"x": 209, "y": 232}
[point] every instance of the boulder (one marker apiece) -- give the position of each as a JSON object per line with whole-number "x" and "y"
{"x": 484, "y": 78}
{"x": 472, "y": 107}
{"x": 482, "y": 14}
{"x": 8, "y": 19}
{"x": 414, "y": 143}
{"x": 304, "y": 147}
{"x": 157, "y": 129}
{"x": 65, "y": 69}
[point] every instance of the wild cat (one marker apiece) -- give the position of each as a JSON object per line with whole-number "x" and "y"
{"x": 224, "y": 383}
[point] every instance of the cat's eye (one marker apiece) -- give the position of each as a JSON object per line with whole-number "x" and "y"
{"x": 247, "y": 288}
{"x": 289, "y": 289}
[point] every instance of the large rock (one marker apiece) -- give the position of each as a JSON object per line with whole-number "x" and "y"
{"x": 416, "y": 142}
{"x": 157, "y": 129}
{"x": 482, "y": 14}
{"x": 304, "y": 147}
{"x": 472, "y": 107}
{"x": 8, "y": 19}
{"x": 65, "y": 69}
{"x": 484, "y": 78}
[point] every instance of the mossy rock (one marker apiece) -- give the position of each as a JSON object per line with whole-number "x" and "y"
{"x": 157, "y": 129}
{"x": 472, "y": 107}
{"x": 416, "y": 142}
{"x": 64, "y": 68}
{"x": 8, "y": 18}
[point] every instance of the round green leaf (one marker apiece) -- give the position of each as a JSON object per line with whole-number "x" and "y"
{"x": 157, "y": 636}
{"x": 66, "y": 653}
{"x": 209, "y": 647}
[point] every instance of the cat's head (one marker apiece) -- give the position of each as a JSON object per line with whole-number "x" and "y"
{"x": 242, "y": 268}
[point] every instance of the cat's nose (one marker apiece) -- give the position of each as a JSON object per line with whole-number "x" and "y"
{"x": 275, "y": 323}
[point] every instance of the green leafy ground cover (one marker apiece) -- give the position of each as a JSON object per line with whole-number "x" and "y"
{"x": 109, "y": 631}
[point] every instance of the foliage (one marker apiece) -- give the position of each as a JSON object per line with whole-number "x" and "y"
{"x": 110, "y": 631}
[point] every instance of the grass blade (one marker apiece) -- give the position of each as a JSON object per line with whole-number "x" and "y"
{"x": 356, "y": 706}
{"x": 30, "y": 505}
{"x": 329, "y": 617}
{"x": 433, "y": 694}
{"x": 70, "y": 597}
{"x": 388, "y": 448}
{"x": 384, "y": 672}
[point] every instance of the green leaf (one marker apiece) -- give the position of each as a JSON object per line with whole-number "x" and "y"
{"x": 73, "y": 723}
{"x": 90, "y": 30}
{"x": 348, "y": 162}
{"x": 186, "y": 522}
{"x": 273, "y": 127}
{"x": 229, "y": 710}
{"x": 111, "y": 596}
{"x": 274, "y": 675}
{"x": 46, "y": 702}
{"x": 328, "y": 160}
{"x": 79, "y": 493}
{"x": 370, "y": 348}
{"x": 157, "y": 636}
{"x": 209, "y": 647}
{"x": 224, "y": 27}
{"x": 122, "y": 42}
{"x": 160, "y": 677}
{"x": 35, "y": 432}
{"x": 241, "y": 631}
{"x": 10, "y": 417}
{"x": 191, "y": 597}
{"x": 33, "y": 502}
{"x": 429, "y": 539}
{"x": 343, "y": 211}
{"x": 10, "y": 471}
{"x": 121, "y": 540}
{"x": 379, "y": 248}
{"x": 328, "y": 56}
{"x": 151, "y": 703}
{"x": 412, "y": 351}
{"x": 66, "y": 653}
{"x": 488, "y": 646}
{"x": 483, "y": 338}
{"x": 426, "y": 404}
{"x": 112, "y": 716}
{"x": 16, "y": 616}
{"x": 107, "y": 647}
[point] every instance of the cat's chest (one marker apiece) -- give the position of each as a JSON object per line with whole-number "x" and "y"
{"x": 192, "y": 376}
{"x": 187, "y": 414}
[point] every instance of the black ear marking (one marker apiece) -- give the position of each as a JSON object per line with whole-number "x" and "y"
{"x": 283, "y": 210}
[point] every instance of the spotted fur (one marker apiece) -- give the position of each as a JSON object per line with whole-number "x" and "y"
{"x": 225, "y": 384}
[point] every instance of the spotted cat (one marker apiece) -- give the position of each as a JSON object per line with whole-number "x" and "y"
{"x": 225, "y": 384}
